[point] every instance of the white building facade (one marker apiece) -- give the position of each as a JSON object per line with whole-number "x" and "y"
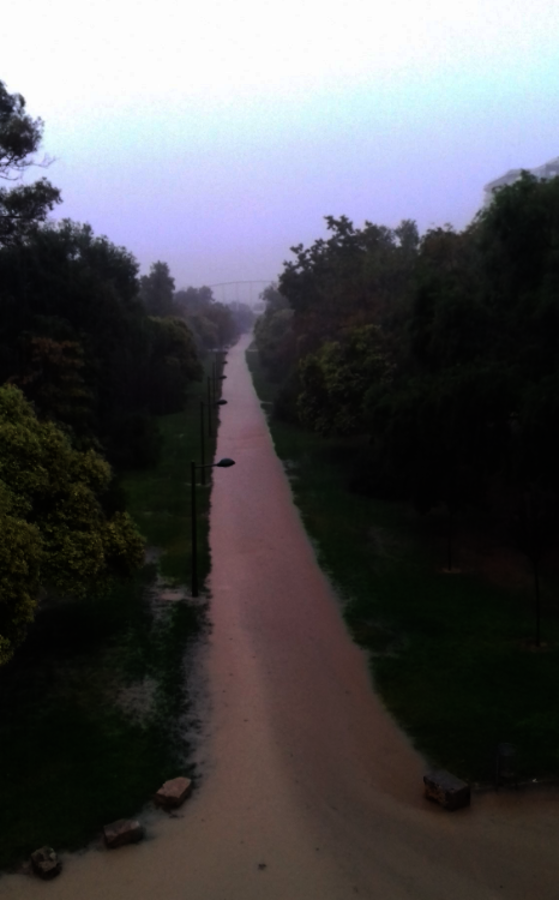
{"x": 548, "y": 170}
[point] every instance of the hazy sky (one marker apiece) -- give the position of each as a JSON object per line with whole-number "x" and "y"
{"x": 215, "y": 136}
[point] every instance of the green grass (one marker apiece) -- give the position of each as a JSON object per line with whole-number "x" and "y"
{"x": 159, "y": 499}
{"x": 447, "y": 652}
{"x": 71, "y": 757}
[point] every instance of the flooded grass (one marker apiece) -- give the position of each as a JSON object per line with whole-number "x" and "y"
{"x": 93, "y": 706}
{"x": 449, "y": 653}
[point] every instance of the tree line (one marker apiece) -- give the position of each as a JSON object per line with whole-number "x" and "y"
{"x": 442, "y": 349}
{"x": 90, "y": 355}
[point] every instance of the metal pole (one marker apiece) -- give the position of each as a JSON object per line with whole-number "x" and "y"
{"x": 202, "y": 454}
{"x": 209, "y": 408}
{"x": 214, "y": 382}
{"x": 194, "y": 546}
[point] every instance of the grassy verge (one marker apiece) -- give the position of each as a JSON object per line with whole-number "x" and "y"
{"x": 94, "y": 706}
{"x": 448, "y": 652}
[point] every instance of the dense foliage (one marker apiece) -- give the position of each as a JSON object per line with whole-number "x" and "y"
{"x": 273, "y": 333}
{"x": 56, "y": 532}
{"x": 89, "y": 354}
{"x": 442, "y": 348}
{"x": 77, "y": 339}
{"x": 214, "y": 325}
{"x": 23, "y": 206}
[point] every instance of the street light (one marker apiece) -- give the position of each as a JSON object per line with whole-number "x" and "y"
{"x": 211, "y": 404}
{"x": 222, "y": 464}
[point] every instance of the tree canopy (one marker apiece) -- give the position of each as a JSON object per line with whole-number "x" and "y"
{"x": 85, "y": 368}
{"x": 77, "y": 339}
{"x": 24, "y": 206}
{"x": 460, "y": 384}
{"x": 156, "y": 290}
{"x": 335, "y": 380}
{"x": 56, "y": 533}
{"x": 213, "y": 324}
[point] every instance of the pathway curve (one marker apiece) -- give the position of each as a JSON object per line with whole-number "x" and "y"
{"x": 309, "y": 791}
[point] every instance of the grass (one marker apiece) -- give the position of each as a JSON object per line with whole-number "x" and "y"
{"x": 94, "y": 706}
{"x": 159, "y": 499}
{"x": 448, "y": 652}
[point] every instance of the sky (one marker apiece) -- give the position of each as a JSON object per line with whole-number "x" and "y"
{"x": 215, "y": 136}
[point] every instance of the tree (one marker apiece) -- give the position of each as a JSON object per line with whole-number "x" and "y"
{"x": 335, "y": 380}
{"x": 273, "y": 334}
{"x": 20, "y": 135}
{"x": 222, "y": 317}
{"x": 534, "y": 528}
{"x": 448, "y": 321}
{"x": 55, "y": 533}
{"x": 518, "y": 240}
{"x": 51, "y": 377}
{"x": 518, "y": 236}
{"x": 73, "y": 333}
{"x": 157, "y": 289}
{"x": 24, "y": 206}
{"x": 243, "y": 316}
{"x": 193, "y": 301}
{"x": 356, "y": 277}
{"x": 213, "y": 324}
{"x": 172, "y": 364}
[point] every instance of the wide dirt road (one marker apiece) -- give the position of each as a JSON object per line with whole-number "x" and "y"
{"x": 309, "y": 792}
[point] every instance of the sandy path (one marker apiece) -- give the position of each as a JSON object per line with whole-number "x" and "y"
{"x": 309, "y": 791}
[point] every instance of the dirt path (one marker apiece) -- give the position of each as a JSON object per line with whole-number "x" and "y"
{"x": 309, "y": 791}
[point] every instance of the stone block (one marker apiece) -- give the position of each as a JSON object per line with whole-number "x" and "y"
{"x": 121, "y": 832}
{"x": 173, "y": 793}
{"x": 446, "y": 789}
{"x": 45, "y": 863}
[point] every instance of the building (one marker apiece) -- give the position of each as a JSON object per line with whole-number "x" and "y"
{"x": 548, "y": 170}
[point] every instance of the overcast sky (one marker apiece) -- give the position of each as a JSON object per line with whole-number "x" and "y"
{"x": 215, "y": 136}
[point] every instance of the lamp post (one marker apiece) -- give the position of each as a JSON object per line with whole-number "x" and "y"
{"x": 214, "y": 381}
{"x": 209, "y": 406}
{"x": 202, "y": 453}
{"x": 222, "y": 464}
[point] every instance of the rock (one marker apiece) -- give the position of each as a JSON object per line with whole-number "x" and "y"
{"x": 46, "y": 863}
{"x": 446, "y": 789}
{"x": 121, "y": 832}
{"x": 173, "y": 793}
